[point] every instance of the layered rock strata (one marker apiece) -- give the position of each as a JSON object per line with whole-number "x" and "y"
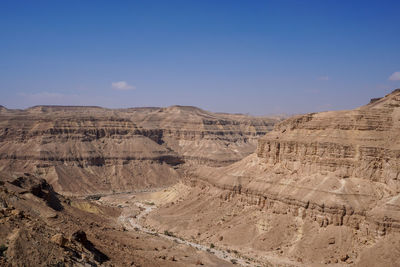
{"x": 343, "y": 163}
{"x": 91, "y": 150}
{"x": 326, "y": 182}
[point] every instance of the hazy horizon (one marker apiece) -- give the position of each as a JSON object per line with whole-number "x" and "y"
{"x": 258, "y": 58}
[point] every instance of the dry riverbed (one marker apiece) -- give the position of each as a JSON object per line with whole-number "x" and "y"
{"x": 135, "y": 208}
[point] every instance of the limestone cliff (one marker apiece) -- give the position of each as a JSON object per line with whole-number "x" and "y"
{"x": 321, "y": 188}
{"x": 338, "y": 164}
{"x": 350, "y": 156}
{"x": 87, "y": 150}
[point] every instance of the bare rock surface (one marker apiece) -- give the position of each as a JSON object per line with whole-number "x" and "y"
{"x": 84, "y": 234}
{"x": 321, "y": 188}
{"x": 92, "y": 150}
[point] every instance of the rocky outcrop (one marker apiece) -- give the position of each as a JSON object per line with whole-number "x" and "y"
{"x": 91, "y": 150}
{"x": 314, "y": 177}
{"x": 80, "y": 237}
{"x": 340, "y": 165}
{"x": 32, "y": 233}
{"x": 363, "y": 143}
{"x": 353, "y": 156}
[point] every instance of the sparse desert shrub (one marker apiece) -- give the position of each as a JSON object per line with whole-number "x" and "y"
{"x": 149, "y": 203}
{"x": 58, "y": 264}
{"x": 212, "y": 245}
{"x": 93, "y": 197}
{"x": 3, "y": 249}
{"x": 168, "y": 233}
{"x": 234, "y": 261}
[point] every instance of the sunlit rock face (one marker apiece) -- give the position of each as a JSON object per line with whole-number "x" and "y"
{"x": 85, "y": 150}
{"x": 320, "y": 188}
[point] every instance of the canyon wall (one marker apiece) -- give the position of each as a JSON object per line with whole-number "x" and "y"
{"x": 321, "y": 188}
{"x": 91, "y": 150}
{"x": 338, "y": 163}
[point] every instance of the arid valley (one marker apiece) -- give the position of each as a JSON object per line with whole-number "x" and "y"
{"x": 188, "y": 133}
{"x": 180, "y": 186}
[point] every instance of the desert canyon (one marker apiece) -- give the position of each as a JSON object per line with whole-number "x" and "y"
{"x": 180, "y": 186}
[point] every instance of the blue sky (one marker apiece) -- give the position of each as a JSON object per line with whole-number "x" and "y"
{"x": 257, "y": 57}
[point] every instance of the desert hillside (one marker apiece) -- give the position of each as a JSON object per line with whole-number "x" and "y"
{"x": 117, "y": 148}
{"x": 91, "y": 150}
{"x": 321, "y": 188}
{"x": 180, "y": 186}
{"x": 102, "y": 160}
{"x": 39, "y": 227}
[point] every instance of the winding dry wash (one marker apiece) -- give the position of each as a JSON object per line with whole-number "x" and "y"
{"x": 211, "y": 133}
{"x": 133, "y": 223}
{"x": 180, "y": 186}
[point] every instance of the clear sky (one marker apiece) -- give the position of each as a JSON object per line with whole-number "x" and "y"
{"x": 257, "y": 57}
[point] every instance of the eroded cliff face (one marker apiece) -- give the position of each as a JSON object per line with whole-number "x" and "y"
{"x": 321, "y": 188}
{"x": 353, "y": 156}
{"x": 91, "y": 150}
{"x": 362, "y": 143}
{"x": 342, "y": 165}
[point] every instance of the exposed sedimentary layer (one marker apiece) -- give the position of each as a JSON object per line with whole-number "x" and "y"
{"x": 321, "y": 188}
{"x": 87, "y": 150}
{"x": 341, "y": 163}
{"x": 352, "y": 157}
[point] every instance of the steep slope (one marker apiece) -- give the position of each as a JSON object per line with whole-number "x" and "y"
{"x": 91, "y": 150}
{"x": 41, "y": 228}
{"x": 84, "y": 150}
{"x": 206, "y": 137}
{"x": 321, "y": 188}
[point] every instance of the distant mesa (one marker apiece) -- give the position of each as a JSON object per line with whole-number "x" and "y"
{"x": 109, "y": 149}
{"x": 52, "y": 108}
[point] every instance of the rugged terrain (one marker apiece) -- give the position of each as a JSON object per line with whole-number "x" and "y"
{"x": 92, "y": 150}
{"x": 183, "y": 186}
{"x": 322, "y": 188}
{"x": 38, "y": 227}
{"x": 95, "y": 163}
